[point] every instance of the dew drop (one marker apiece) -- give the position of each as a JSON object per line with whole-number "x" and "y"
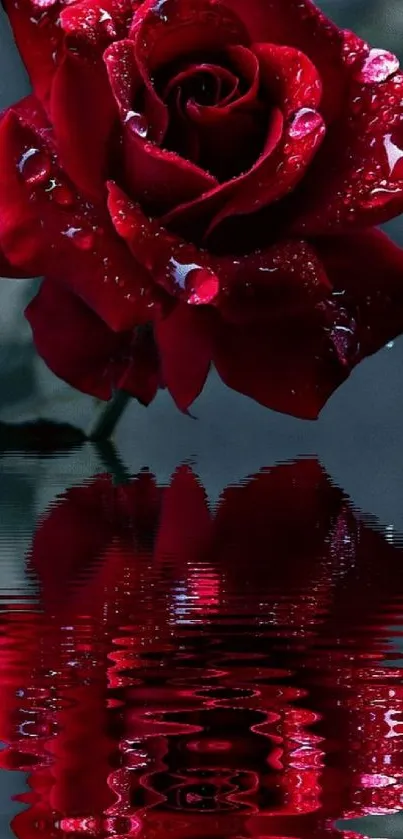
{"x": 82, "y": 239}
{"x": 203, "y": 286}
{"x": 137, "y": 122}
{"x": 60, "y": 193}
{"x": 379, "y": 66}
{"x": 343, "y": 336}
{"x": 305, "y": 122}
{"x": 34, "y": 166}
{"x": 393, "y": 153}
{"x": 200, "y": 284}
{"x": 379, "y": 197}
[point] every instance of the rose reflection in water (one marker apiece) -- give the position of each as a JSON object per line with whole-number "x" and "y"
{"x": 194, "y": 673}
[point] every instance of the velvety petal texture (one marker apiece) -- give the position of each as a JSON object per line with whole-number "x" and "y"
{"x": 198, "y": 182}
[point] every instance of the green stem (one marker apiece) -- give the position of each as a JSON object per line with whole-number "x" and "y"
{"x": 112, "y": 462}
{"x": 108, "y": 417}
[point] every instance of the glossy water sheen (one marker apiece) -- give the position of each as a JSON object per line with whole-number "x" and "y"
{"x": 168, "y": 669}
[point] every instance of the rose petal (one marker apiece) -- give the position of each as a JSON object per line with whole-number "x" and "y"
{"x": 287, "y": 368}
{"x": 160, "y": 30}
{"x": 76, "y": 344}
{"x": 127, "y": 81}
{"x": 39, "y": 40}
{"x": 289, "y": 77}
{"x": 142, "y": 377}
{"x": 231, "y": 135}
{"x": 264, "y": 284}
{"x": 83, "y": 112}
{"x": 20, "y": 231}
{"x": 156, "y": 177}
{"x": 301, "y": 24}
{"x": 184, "y": 340}
{"x": 46, "y": 226}
{"x": 366, "y": 269}
{"x": 96, "y": 23}
{"x": 357, "y": 179}
{"x": 178, "y": 267}
{"x": 284, "y": 161}
{"x": 296, "y": 365}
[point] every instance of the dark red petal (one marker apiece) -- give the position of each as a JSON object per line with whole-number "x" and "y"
{"x": 157, "y": 178}
{"x": 39, "y": 40}
{"x": 231, "y": 135}
{"x": 184, "y": 340}
{"x": 160, "y": 32}
{"x": 127, "y": 81}
{"x": 289, "y": 77}
{"x": 290, "y": 367}
{"x": 20, "y": 231}
{"x": 143, "y": 376}
{"x": 357, "y": 179}
{"x": 294, "y": 365}
{"x": 300, "y": 24}
{"x": 45, "y": 225}
{"x": 7, "y": 270}
{"x": 264, "y": 284}
{"x": 366, "y": 269}
{"x": 82, "y": 112}
{"x": 221, "y": 77}
{"x": 179, "y": 268}
{"x": 288, "y": 152}
{"x": 97, "y": 22}
{"x": 283, "y": 282}
{"x": 185, "y": 526}
{"x": 76, "y": 344}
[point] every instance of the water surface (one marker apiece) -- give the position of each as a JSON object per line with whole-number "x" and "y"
{"x": 171, "y": 668}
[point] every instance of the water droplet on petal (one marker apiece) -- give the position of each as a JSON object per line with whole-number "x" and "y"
{"x": 34, "y": 166}
{"x": 393, "y": 152}
{"x": 60, "y": 193}
{"x": 137, "y": 122}
{"x": 378, "y": 67}
{"x": 379, "y": 196}
{"x": 203, "y": 286}
{"x": 305, "y": 121}
{"x": 82, "y": 239}
{"x": 343, "y": 336}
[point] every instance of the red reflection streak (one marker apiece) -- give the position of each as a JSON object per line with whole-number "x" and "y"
{"x": 166, "y": 692}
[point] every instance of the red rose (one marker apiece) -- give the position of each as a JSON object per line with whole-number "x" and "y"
{"x": 198, "y": 182}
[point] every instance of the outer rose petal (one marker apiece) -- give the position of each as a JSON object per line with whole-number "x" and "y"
{"x": 39, "y": 40}
{"x": 9, "y": 271}
{"x": 82, "y": 113}
{"x": 294, "y": 368}
{"x": 95, "y": 23}
{"x": 184, "y": 340}
{"x": 357, "y": 178}
{"x": 290, "y": 368}
{"x": 47, "y": 229}
{"x": 366, "y": 269}
{"x": 82, "y": 351}
{"x": 299, "y": 23}
{"x": 287, "y": 276}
